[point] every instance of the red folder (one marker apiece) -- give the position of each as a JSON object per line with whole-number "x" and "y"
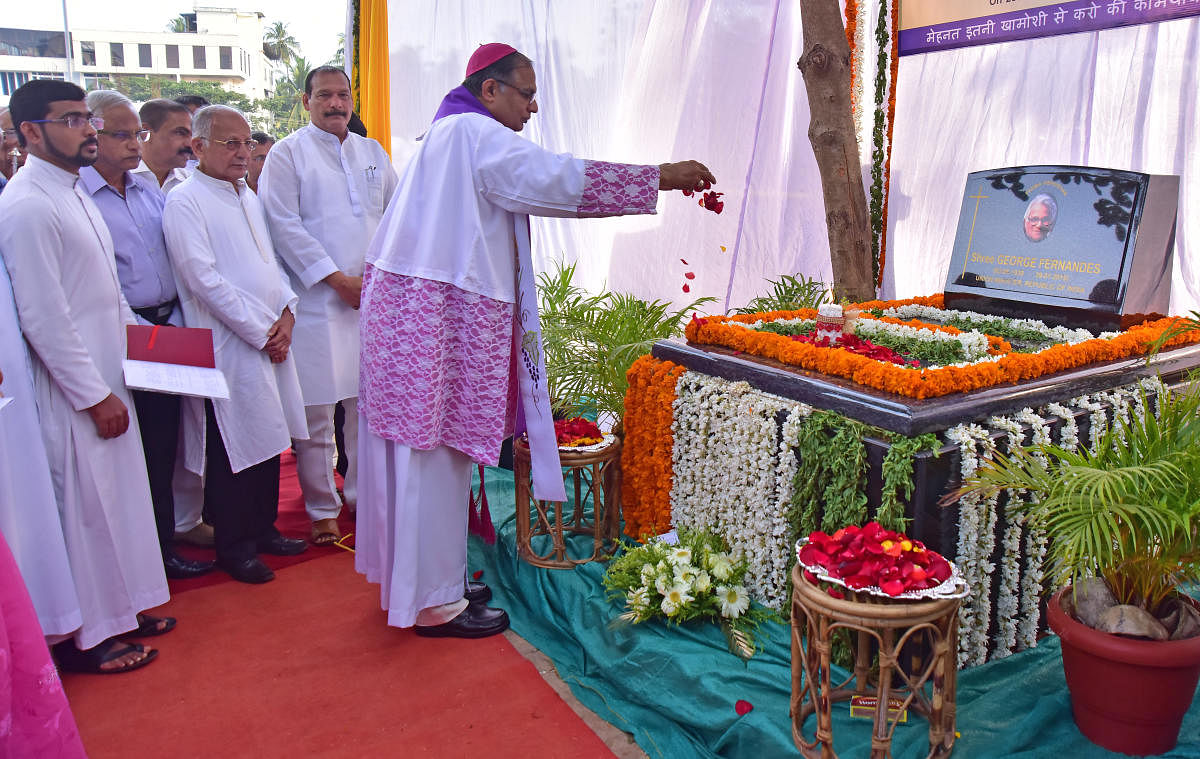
{"x": 189, "y": 346}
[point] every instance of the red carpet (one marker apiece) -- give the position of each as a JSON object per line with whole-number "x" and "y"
{"x": 306, "y": 667}
{"x": 292, "y": 521}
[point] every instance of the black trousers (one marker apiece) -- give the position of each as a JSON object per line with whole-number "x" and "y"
{"x": 243, "y": 506}
{"x": 158, "y": 420}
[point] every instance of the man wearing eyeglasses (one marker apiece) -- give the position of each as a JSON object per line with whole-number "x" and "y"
{"x": 230, "y": 281}
{"x": 449, "y": 331}
{"x": 324, "y": 189}
{"x": 132, "y": 209}
{"x": 60, "y": 257}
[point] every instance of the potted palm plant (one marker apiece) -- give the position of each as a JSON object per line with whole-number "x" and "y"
{"x": 1123, "y": 528}
{"x": 590, "y": 341}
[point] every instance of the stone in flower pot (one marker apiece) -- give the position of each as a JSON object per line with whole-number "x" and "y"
{"x": 1127, "y": 694}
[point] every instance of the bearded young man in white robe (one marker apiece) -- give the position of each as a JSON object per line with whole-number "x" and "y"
{"x": 451, "y": 358}
{"x": 230, "y": 282}
{"x": 60, "y": 257}
{"x": 324, "y": 189}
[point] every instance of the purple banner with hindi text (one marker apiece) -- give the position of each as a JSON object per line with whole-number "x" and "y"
{"x": 1046, "y": 21}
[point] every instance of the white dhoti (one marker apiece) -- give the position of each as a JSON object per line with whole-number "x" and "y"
{"x": 314, "y": 460}
{"x": 411, "y": 535}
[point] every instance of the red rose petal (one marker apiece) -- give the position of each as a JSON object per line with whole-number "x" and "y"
{"x": 685, "y": 263}
{"x": 477, "y": 574}
{"x": 686, "y": 289}
{"x": 743, "y": 707}
{"x": 689, "y": 275}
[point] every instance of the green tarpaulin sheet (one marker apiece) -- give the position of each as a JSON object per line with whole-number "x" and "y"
{"x": 674, "y": 688}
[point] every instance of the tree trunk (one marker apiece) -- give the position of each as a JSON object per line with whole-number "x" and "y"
{"x": 826, "y": 69}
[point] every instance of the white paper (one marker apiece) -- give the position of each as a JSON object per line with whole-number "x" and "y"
{"x": 176, "y": 379}
{"x": 4, "y": 401}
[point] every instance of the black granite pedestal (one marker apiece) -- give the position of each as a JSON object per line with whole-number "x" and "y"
{"x": 935, "y": 474}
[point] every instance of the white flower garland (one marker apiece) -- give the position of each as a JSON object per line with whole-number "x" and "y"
{"x": 734, "y": 470}
{"x": 976, "y": 539}
{"x": 1020, "y": 589}
{"x": 941, "y": 315}
{"x": 801, "y": 325}
{"x": 974, "y": 344}
{"x": 1032, "y": 580}
{"x": 729, "y": 474}
{"x": 1097, "y": 420}
{"x": 1008, "y": 605}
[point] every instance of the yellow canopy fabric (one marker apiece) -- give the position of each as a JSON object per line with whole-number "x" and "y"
{"x": 374, "y": 96}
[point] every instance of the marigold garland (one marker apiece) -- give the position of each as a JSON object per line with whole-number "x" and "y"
{"x": 646, "y": 456}
{"x": 926, "y": 382}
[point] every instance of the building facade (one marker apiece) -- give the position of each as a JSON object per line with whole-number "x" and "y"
{"x": 221, "y": 45}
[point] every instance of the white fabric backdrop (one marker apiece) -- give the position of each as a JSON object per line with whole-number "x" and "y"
{"x": 1120, "y": 98}
{"x": 648, "y": 81}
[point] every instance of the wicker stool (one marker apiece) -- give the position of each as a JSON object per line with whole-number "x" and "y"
{"x": 882, "y": 627}
{"x": 592, "y": 473}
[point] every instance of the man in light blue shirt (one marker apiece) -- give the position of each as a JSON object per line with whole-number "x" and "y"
{"x": 132, "y": 210}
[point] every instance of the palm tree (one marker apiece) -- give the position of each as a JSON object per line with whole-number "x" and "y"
{"x": 297, "y": 71}
{"x": 339, "y": 56}
{"x": 178, "y": 24}
{"x": 279, "y": 44}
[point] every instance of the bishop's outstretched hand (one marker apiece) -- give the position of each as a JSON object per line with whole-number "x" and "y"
{"x": 685, "y": 175}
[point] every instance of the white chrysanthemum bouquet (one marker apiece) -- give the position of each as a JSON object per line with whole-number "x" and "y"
{"x": 696, "y": 578}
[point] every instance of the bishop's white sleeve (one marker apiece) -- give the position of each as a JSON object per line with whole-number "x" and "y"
{"x": 279, "y": 187}
{"x": 31, "y": 252}
{"x": 191, "y": 254}
{"x": 391, "y": 178}
{"x": 522, "y": 177}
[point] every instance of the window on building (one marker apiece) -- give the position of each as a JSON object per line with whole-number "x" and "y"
{"x": 117, "y": 53}
{"x": 31, "y": 43}
{"x": 144, "y": 56}
{"x": 11, "y": 80}
{"x": 87, "y": 53}
{"x": 198, "y": 60}
{"x": 226, "y": 57}
{"x": 172, "y": 56}
{"x": 96, "y": 82}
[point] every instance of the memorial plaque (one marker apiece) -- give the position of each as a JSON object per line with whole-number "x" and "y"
{"x": 1071, "y": 245}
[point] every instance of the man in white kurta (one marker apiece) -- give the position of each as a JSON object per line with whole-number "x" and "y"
{"x": 230, "y": 281}
{"x": 60, "y": 258}
{"x": 450, "y": 346}
{"x": 324, "y": 189}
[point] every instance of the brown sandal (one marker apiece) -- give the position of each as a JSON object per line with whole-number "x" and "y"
{"x": 325, "y": 532}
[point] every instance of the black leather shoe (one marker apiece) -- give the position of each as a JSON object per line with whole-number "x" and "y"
{"x": 179, "y": 568}
{"x": 281, "y": 546}
{"x": 477, "y": 593}
{"x": 475, "y": 621}
{"x": 250, "y": 570}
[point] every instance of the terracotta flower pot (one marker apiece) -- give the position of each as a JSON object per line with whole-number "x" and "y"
{"x": 1127, "y": 695}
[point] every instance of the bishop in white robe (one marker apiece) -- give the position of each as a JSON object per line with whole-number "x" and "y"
{"x": 451, "y": 360}
{"x": 324, "y": 189}
{"x": 60, "y": 257}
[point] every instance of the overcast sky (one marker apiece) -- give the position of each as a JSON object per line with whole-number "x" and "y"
{"x": 315, "y": 25}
